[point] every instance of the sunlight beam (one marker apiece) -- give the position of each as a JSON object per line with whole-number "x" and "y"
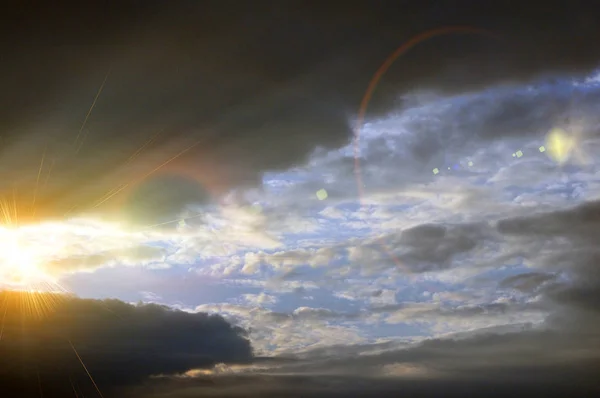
{"x": 89, "y": 113}
{"x": 85, "y": 368}
{"x": 37, "y": 184}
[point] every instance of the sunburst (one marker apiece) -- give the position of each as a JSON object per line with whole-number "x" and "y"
{"x": 21, "y": 261}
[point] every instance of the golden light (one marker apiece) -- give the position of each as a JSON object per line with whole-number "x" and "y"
{"x": 19, "y": 271}
{"x": 18, "y": 261}
{"x": 35, "y": 257}
{"x": 559, "y": 145}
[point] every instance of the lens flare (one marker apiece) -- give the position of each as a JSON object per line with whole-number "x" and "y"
{"x": 559, "y": 145}
{"x": 366, "y": 99}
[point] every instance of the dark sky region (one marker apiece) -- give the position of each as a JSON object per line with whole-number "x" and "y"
{"x": 235, "y": 89}
{"x": 257, "y": 85}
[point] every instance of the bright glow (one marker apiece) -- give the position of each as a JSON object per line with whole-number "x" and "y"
{"x": 559, "y": 145}
{"x": 18, "y": 261}
{"x": 322, "y": 194}
{"x": 32, "y": 256}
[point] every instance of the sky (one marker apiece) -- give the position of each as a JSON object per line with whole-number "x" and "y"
{"x": 197, "y": 200}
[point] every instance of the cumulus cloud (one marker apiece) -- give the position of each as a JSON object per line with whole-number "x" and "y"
{"x": 543, "y": 334}
{"x": 553, "y": 304}
{"x": 282, "y": 333}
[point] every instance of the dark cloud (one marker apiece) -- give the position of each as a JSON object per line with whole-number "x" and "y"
{"x": 435, "y": 246}
{"x": 579, "y": 222}
{"x": 527, "y": 282}
{"x": 522, "y": 364}
{"x": 255, "y": 86}
{"x": 571, "y": 251}
{"x": 423, "y": 248}
{"x": 467, "y": 357}
{"x": 572, "y": 234}
{"x": 119, "y": 343}
{"x": 351, "y": 387}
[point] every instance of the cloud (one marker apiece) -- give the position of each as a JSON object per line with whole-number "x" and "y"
{"x": 251, "y": 93}
{"x": 528, "y": 282}
{"x": 491, "y": 286}
{"x": 418, "y": 249}
{"x": 552, "y": 304}
{"x": 56, "y": 249}
{"x": 339, "y": 386}
{"x": 277, "y": 333}
{"x": 119, "y": 343}
{"x": 259, "y": 299}
{"x": 455, "y": 367}
{"x": 138, "y": 256}
{"x": 540, "y": 321}
{"x": 571, "y": 250}
{"x": 577, "y": 223}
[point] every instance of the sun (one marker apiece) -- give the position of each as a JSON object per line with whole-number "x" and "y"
{"x": 22, "y": 279}
{"x": 19, "y": 260}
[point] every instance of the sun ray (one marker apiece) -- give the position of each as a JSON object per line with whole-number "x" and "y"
{"x": 173, "y": 221}
{"x": 37, "y": 184}
{"x": 71, "y": 210}
{"x": 79, "y": 389}
{"x": 129, "y": 160}
{"x": 4, "y": 317}
{"x": 73, "y": 387}
{"x": 85, "y": 368}
{"x": 6, "y": 212}
{"x": 34, "y": 304}
{"x": 112, "y": 192}
{"x": 40, "y": 383}
{"x": 15, "y": 208}
{"x": 48, "y": 175}
{"x": 90, "y": 112}
{"x": 144, "y": 146}
{"x": 124, "y": 186}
